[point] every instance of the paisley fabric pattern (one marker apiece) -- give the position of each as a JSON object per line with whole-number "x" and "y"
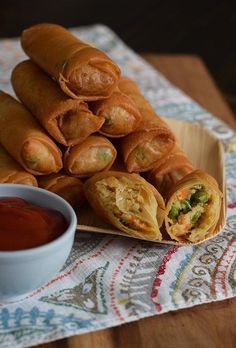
{"x": 111, "y": 280}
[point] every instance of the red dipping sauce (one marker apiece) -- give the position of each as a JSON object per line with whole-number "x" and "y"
{"x": 24, "y": 225}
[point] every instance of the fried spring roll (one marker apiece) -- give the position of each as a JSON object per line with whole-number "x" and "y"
{"x": 121, "y": 115}
{"x": 68, "y": 187}
{"x": 25, "y": 140}
{"x": 83, "y": 71}
{"x": 169, "y": 170}
{"x": 193, "y": 208}
{"x": 151, "y": 141}
{"x": 94, "y": 155}
{"x": 67, "y": 120}
{"x": 128, "y": 202}
{"x": 12, "y": 173}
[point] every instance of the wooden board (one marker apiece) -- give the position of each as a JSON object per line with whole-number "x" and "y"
{"x": 204, "y": 151}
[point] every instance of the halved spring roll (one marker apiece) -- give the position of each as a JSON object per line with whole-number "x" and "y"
{"x": 169, "y": 170}
{"x": 12, "y": 173}
{"x": 67, "y": 120}
{"x": 121, "y": 114}
{"x": 68, "y": 187}
{"x": 83, "y": 71}
{"x": 94, "y": 155}
{"x": 25, "y": 140}
{"x": 193, "y": 208}
{"x": 151, "y": 141}
{"x": 128, "y": 202}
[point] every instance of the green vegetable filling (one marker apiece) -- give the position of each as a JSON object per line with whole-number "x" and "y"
{"x": 103, "y": 154}
{"x": 108, "y": 121}
{"x": 198, "y": 197}
{"x": 195, "y": 217}
{"x": 186, "y": 206}
{"x": 174, "y": 212}
{"x": 139, "y": 153}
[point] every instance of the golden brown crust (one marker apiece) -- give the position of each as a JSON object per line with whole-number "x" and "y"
{"x": 82, "y": 71}
{"x": 152, "y": 140}
{"x": 44, "y": 98}
{"x": 169, "y": 170}
{"x": 12, "y": 172}
{"x": 138, "y": 139}
{"x": 18, "y": 127}
{"x": 149, "y": 116}
{"x": 68, "y": 187}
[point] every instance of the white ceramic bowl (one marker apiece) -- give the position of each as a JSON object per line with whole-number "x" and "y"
{"x": 26, "y": 270}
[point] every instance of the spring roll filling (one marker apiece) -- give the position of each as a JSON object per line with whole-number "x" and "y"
{"x": 89, "y": 80}
{"x": 192, "y": 211}
{"x": 76, "y": 123}
{"x": 37, "y": 156}
{"x": 93, "y": 160}
{"x": 129, "y": 202}
{"x": 116, "y": 119}
{"x": 148, "y": 152}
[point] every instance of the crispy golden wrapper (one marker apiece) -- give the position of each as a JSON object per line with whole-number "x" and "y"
{"x": 128, "y": 202}
{"x": 95, "y": 154}
{"x": 69, "y": 121}
{"x": 169, "y": 171}
{"x": 25, "y": 140}
{"x": 12, "y": 173}
{"x": 120, "y": 113}
{"x": 83, "y": 71}
{"x": 69, "y": 188}
{"x": 152, "y": 140}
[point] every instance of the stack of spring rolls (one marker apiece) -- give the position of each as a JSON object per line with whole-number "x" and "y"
{"x": 80, "y": 129}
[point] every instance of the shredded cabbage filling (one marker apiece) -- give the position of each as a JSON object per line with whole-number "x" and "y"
{"x": 129, "y": 202}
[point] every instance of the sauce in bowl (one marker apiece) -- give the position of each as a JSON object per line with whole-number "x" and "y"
{"x": 24, "y": 225}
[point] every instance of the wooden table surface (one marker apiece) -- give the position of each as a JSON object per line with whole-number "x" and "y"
{"x": 203, "y": 326}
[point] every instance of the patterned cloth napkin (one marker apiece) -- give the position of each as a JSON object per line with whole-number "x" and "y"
{"x": 110, "y": 280}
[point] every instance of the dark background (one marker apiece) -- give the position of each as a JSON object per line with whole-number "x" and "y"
{"x": 206, "y": 28}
